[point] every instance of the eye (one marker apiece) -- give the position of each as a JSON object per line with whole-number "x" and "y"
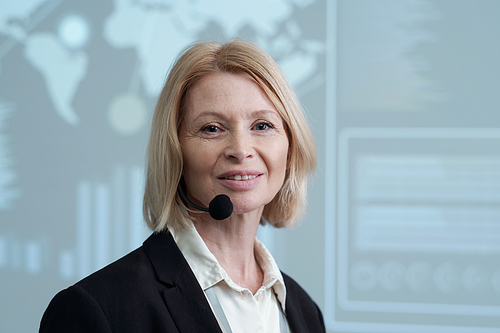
{"x": 263, "y": 126}
{"x": 210, "y": 129}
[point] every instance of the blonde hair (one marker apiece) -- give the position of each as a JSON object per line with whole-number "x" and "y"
{"x": 162, "y": 206}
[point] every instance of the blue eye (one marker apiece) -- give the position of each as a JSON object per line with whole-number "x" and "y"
{"x": 263, "y": 126}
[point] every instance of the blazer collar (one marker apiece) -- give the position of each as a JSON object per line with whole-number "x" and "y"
{"x": 165, "y": 256}
{"x": 183, "y": 296}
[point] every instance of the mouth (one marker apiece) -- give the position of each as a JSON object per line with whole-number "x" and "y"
{"x": 240, "y": 180}
{"x": 240, "y": 177}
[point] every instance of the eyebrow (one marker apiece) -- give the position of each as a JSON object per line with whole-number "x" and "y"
{"x": 254, "y": 114}
{"x": 266, "y": 112}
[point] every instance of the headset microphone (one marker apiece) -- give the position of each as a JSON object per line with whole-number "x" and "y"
{"x": 220, "y": 208}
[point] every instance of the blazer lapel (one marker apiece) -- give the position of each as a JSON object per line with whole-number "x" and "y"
{"x": 294, "y": 317}
{"x": 190, "y": 312}
{"x": 183, "y": 296}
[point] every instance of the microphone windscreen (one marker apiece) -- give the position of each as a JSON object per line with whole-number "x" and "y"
{"x": 221, "y": 207}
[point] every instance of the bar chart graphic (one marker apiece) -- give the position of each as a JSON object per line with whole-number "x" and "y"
{"x": 109, "y": 223}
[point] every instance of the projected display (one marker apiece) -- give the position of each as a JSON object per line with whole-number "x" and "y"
{"x": 419, "y": 229}
{"x": 78, "y": 84}
{"x": 414, "y": 245}
{"x": 403, "y": 99}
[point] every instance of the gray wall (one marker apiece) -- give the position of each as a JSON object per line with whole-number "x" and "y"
{"x": 402, "y": 231}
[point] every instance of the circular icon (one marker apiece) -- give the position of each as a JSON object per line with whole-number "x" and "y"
{"x": 364, "y": 275}
{"x": 391, "y": 276}
{"x": 74, "y": 31}
{"x": 127, "y": 114}
{"x": 475, "y": 279}
{"x": 447, "y": 278}
{"x": 419, "y": 277}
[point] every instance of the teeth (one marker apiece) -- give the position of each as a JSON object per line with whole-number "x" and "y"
{"x": 241, "y": 177}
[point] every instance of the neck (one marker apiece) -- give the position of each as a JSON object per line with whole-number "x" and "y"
{"x": 232, "y": 241}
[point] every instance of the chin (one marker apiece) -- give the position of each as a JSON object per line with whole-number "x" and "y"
{"x": 244, "y": 208}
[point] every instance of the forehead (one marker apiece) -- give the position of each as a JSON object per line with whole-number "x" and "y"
{"x": 220, "y": 91}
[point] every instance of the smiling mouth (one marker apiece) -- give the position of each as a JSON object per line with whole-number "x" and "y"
{"x": 241, "y": 177}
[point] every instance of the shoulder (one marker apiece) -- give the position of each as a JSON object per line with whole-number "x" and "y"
{"x": 118, "y": 277}
{"x": 303, "y": 314}
{"x": 91, "y": 304}
{"x": 74, "y": 310}
{"x": 121, "y": 296}
{"x": 150, "y": 268}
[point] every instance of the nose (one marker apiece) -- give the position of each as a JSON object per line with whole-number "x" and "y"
{"x": 239, "y": 147}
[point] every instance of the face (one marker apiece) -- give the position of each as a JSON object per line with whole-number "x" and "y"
{"x": 233, "y": 142}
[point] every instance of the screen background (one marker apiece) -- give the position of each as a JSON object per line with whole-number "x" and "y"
{"x": 402, "y": 229}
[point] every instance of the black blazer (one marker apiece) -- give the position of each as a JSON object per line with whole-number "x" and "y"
{"x": 153, "y": 289}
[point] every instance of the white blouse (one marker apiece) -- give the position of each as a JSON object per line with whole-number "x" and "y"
{"x": 244, "y": 311}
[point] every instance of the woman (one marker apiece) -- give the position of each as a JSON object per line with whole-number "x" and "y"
{"x": 227, "y": 122}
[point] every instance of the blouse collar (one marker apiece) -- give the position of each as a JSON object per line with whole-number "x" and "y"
{"x": 209, "y": 272}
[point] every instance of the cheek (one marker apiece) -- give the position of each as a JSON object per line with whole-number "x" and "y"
{"x": 280, "y": 161}
{"x": 195, "y": 173}
{"x": 197, "y": 160}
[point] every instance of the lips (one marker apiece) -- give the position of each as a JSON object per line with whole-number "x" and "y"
{"x": 240, "y": 174}
{"x": 240, "y": 179}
